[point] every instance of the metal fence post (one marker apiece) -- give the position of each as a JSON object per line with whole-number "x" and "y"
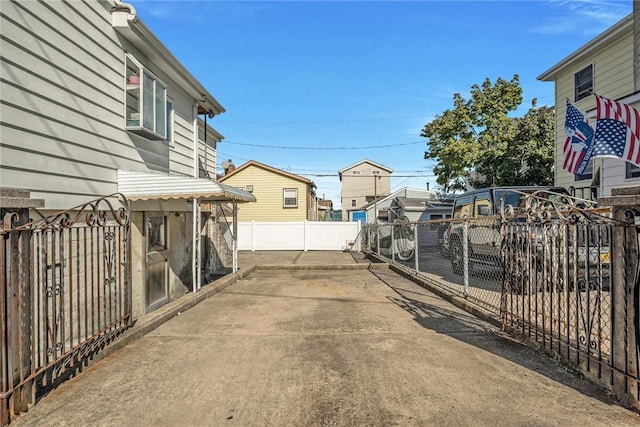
{"x": 4, "y": 336}
{"x": 415, "y": 247}
{"x": 625, "y": 290}
{"x": 16, "y": 317}
{"x": 393, "y": 249}
{"x": 465, "y": 256}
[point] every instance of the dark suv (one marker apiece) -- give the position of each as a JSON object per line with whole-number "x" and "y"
{"x": 481, "y": 209}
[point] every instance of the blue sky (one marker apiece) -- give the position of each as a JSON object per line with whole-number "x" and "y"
{"x": 313, "y": 87}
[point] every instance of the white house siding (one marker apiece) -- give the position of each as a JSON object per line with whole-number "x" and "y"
{"x": 613, "y": 78}
{"x": 63, "y": 138}
{"x": 207, "y": 150}
{"x": 46, "y": 104}
{"x": 181, "y": 154}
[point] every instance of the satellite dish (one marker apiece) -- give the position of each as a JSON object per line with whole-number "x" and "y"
{"x": 226, "y": 163}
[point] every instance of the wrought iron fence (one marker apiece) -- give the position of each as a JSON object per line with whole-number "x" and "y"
{"x": 65, "y": 292}
{"x": 557, "y": 281}
{"x": 543, "y": 268}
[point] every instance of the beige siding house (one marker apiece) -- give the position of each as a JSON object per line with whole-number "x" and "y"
{"x": 92, "y": 103}
{"x": 280, "y": 195}
{"x": 604, "y": 66}
{"x": 362, "y": 183}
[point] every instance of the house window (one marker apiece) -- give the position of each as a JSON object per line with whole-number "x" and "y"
{"x": 633, "y": 171}
{"x": 353, "y": 203}
{"x": 290, "y": 198}
{"x": 157, "y": 233}
{"x": 435, "y": 226}
{"x": 584, "y": 83}
{"x": 375, "y": 172}
{"x": 587, "y": 173}
{"x": 145, "y": 101}
{"x": 355, "y": 172}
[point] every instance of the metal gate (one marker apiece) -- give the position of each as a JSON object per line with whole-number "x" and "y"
{"x": 557, "y": 282}
{"x": 572, "y": 284}
{"x": 65, "y": 292}
{"x": 562, "y": 272}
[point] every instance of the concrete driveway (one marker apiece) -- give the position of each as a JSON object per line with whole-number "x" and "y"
{"x": 316, "y": 347}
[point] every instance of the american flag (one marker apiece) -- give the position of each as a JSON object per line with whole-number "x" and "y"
{"x": 617, "y": 131}
{"x": 579, "y": 136}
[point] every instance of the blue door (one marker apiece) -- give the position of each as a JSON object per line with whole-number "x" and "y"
{"x": 359, "y": 216}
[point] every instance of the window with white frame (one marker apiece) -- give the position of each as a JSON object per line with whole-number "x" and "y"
{"x": 587, "y": 173}
{"x": 583, "y": 82}
{"x": 145, "y": 101}
{"x": 632, "y": 171}
{"x": 290, "y": 196}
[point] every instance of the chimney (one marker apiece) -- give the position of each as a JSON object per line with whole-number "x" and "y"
{"x": 230, "y": 167}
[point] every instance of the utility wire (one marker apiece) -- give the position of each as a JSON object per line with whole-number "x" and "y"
{"x": 324, "y": 148}
{"x": 373, "y": 119}
{"x": 367, "y": 176}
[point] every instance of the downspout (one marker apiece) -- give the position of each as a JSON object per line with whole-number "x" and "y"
{"x": 234, "y": 238}
{"x": 132, "y": 10}
{"x": 206, "y": 159}
{"x": 195, "y": 261}
{"x": 195, "y": 140}
{"x": 636, "y": 46}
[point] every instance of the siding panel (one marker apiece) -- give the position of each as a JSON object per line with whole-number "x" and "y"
{"x": 613, "y": 78}
{"x": 268, "y": 190}
{"x": 62, "y": 86}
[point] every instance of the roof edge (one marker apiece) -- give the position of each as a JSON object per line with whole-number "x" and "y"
{"x": 388, "y": 169}
{"x": 270, "y": 169}
{"x": 611, "y": 34}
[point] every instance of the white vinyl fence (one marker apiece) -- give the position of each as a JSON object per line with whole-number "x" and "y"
{"x": 299, "y": 235}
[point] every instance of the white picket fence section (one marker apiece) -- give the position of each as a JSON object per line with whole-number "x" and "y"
{"x": 299, "y": 235}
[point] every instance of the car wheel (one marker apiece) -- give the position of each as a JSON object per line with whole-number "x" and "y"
{"x": 405, "y": 256}
{"x": 457, "y": 257}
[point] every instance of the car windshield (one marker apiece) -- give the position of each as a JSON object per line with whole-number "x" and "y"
{"x": 515, "y": 198}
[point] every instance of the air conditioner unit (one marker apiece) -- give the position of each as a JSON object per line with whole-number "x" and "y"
{"x": 249, "y": 188}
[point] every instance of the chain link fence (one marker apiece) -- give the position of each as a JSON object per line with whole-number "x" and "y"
{"x": 545, "y": 274}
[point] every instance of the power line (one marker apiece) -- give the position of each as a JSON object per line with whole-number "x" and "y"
{"x": 367, "y": 176}
{"x": 375, "y": 119}
{"x": 370, "y": 147}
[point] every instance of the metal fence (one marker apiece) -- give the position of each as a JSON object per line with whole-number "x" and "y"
{"x": 65, "y": 292}
{"x": 544, "y": 270}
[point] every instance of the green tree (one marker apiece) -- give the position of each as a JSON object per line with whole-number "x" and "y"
{"x": 528, "y": 158}
{"x": 474, "y": 134}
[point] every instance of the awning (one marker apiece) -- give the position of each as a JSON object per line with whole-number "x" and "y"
{"x": 151, "y": 186}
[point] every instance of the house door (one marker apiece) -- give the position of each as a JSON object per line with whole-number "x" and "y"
{"x": 157, "y": 263}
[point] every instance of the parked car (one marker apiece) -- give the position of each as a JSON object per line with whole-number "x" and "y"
{"x": 480, "y": 208}
{"x": 583, "y": 259}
